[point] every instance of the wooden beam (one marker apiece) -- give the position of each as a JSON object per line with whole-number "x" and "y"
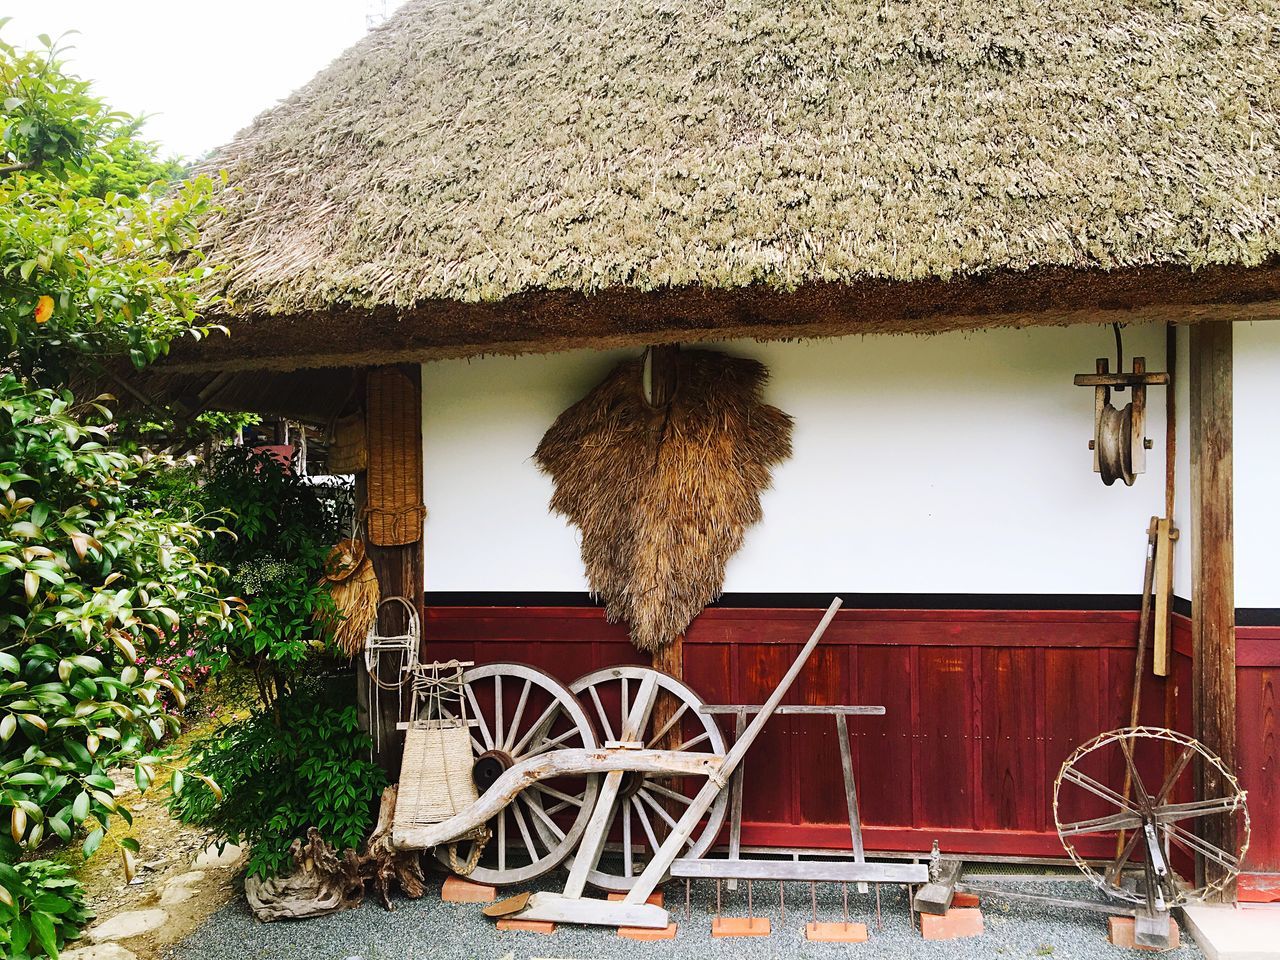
{"x": 1213, "y": 659}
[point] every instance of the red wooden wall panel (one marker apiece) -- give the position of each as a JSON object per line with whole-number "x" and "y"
{"x": 982, "y": 708}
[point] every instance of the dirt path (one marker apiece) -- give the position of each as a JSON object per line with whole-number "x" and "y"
{"x": 168, "y": 850}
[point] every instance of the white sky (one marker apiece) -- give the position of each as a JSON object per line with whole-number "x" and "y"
{"x": 202, "y": 71}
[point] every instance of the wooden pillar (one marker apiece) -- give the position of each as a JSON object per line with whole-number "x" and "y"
{"x": 399, "y": 571}
{"x": 1213, "y": 665}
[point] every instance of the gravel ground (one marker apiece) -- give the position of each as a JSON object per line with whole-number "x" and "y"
{"x": 428, "y": 928}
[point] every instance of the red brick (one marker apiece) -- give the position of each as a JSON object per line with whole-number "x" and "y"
{"x": 955, "y": 923}
{"x": 655, "y": 898}
{"x": 836, "y": 932}
{"x": 457, "y": 890}
{"x": 648, "y": 933}
{"x": 964, "y": 900}
{"x": 529, "y": 926}
{"x": 1258, "y": 888}
{"x": 1121, "y": 934}
{"x": 740, "y": 927}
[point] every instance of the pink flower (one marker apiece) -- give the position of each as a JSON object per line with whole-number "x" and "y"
{"x": 191, "y": 653}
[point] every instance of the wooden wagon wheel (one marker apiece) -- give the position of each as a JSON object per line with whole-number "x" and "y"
{"x": 648, "y": 805}
{"x": 519, "y": 712}
{"x": 1147, "y": 827}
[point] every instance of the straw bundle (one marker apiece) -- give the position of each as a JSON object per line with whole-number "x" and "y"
{"x": 663, "y": 495}
{"x": 354, "y": 588}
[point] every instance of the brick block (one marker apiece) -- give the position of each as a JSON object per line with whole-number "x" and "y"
{"x": 528, "y": 926}
{"x": 964, "y": 900}
{"x": 655, "y": 898}
{"x": 955, "y": 923}
{"x": 1258, "y": 888}
{"x": 457, "y": 890}
{"x": 648, "y": 933}
{"x": 740, "y": 927}
{"x": 836, "y": 932}
{"x": 1120, "y": 933}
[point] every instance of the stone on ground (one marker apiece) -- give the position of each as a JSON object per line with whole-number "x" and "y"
{"x": 230, "y": 856}
{"x": 100, "y": 951}
{"x": 131, "y": 923}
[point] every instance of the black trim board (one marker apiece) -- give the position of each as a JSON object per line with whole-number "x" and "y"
{"x": 1245, "y": 616}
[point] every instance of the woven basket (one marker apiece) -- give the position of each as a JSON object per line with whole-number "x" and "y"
{"x": 394, "y": 512}
{"x": 435, "y": 774}
{"x": 353, "y": 585}
{"x": 348, "y": 446}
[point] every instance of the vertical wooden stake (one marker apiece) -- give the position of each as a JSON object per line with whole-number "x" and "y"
{"x": 1213, "y": 664}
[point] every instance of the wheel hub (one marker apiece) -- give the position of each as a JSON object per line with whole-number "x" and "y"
{"x": 489, "y": 766}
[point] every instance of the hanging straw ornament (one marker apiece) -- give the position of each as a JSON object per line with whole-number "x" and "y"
{"x": 352, "y": 583}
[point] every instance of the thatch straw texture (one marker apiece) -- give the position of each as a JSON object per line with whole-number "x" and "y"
{"x": 471, "y": 151}
{"x": 663, "y": 495}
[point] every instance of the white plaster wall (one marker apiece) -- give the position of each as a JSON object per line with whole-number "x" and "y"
{"x": 1182, "y": 467}
{"x": 1256, "y": 385}
{"x": 956, "y": 463}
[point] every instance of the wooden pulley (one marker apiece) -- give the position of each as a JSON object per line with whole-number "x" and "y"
{"x": 1119, "y": 441}
{"x": 1114, "y": 444}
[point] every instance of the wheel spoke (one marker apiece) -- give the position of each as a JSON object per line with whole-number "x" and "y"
{"x": 661, "y": 812}
{"x": 498, "y": 738}
{"x": 552, "y": 791}
{"x": 543, "y": 722}
{"x": 1072, "y": 775}
{"x": 694, "y": 741}
{"x": 647, "y": 824}
{"x": 517, "y": 716}
{"x": 1118, "y": 866}
{"x": 666, "y": 727}
{"x": 604, "y": 717}
{"x": 628, "y": 868}
{"x": 1174, "y": 772}
{"x": 1199, "y": 808}
{"x": 1202, "y": 847}
{"x": 667, "y": 792}
{"x": 546, "y": 745}
{"x": 1144, "y": 799}
{"x": 523, "y": 826}
{"x": 484, "y": 727}
{"x": 1114, "y": 821}
{"x": 536, "y": 809}
{"x": 502, "y": 839}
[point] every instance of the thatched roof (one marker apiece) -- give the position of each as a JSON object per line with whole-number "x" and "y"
{"x": 516, "y": 175}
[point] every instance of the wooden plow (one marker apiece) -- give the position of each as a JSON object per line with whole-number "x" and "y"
{"x": 553, "y": 794}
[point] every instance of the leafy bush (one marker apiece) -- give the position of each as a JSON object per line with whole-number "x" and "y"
{"x": 92, "y": 577}
{"x": 283, "y": 531}
{"x": 41, "y": 906}
{"x": 309, "y": 769}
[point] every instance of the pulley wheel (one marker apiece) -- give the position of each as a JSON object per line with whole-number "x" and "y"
{"x": 1115, "y": 444}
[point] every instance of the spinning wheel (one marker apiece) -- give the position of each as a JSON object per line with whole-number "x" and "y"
{"x": 649, "y": 804}
{"x": 1148, "y": 829}
{"x": 518, "y": 712}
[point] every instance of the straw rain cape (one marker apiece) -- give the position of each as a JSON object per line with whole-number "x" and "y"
{"x": 663, "y": 495}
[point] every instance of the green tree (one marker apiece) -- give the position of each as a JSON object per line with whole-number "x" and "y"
{"x": 94, "y": 268}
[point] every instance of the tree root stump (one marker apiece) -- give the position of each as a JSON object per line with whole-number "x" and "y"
{"x": 323, "y": 882}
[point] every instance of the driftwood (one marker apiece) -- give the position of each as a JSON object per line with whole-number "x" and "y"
{"x": 323, "y": 882}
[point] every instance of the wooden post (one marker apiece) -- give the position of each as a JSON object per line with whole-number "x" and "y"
{"x": 1213, "y": 664}
{"x": 399, "y": 571}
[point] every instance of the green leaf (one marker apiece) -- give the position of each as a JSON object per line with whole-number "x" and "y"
{"x": 92, "y": 842}
{"x": 42, "y": 924}
{"x": 80, "y": 806}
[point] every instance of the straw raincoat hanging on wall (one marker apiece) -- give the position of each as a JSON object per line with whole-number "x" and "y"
{"x": 663, "y": 495}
